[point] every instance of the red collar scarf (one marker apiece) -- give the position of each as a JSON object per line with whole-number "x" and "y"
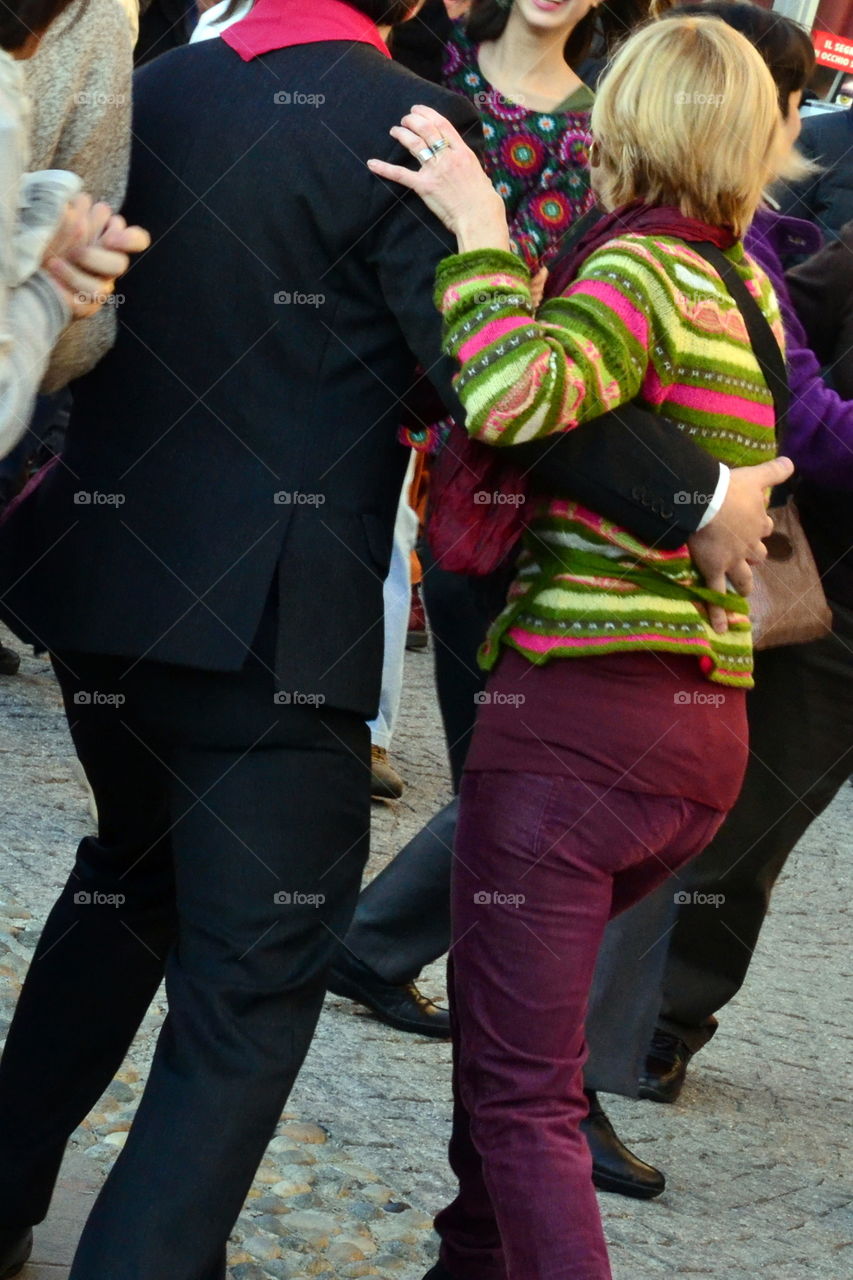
{"x": 632, "y": 219}
{"x": 279, "y": 24}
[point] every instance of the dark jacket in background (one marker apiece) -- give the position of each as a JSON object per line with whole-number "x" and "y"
{"x": 163, "y": 25}
{"x": 826, "y": 198}
{"x": 822, "y": 291}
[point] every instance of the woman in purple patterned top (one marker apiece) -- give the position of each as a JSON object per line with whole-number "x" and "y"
{"x": 514, "y": 60}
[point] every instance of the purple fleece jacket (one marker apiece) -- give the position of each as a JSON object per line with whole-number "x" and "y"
{"x": 819, "y": 439}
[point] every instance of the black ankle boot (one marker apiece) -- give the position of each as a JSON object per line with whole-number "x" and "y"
{"x": 16, "y": 1245}
{"x": 614, "y": 1167}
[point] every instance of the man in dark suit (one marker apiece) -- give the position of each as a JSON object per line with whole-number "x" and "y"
{"x": 205, "y": 564}
{"x": 827, "y": 197}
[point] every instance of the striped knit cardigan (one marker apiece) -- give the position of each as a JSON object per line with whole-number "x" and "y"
{"x": 647, "y": 319}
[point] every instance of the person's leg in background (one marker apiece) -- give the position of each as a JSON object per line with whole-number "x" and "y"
{"x": 418, "y": 636}
{"x": 801, "y": 754}
{"x": 402, "y": 921}
{"x": 385, "y": 781}
{"x": 48, "y": 425}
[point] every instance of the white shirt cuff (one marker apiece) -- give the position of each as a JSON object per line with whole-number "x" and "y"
{"x": 715, "y": 505}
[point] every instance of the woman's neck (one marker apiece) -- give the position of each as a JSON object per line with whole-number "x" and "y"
{"x": 529, "y": 65}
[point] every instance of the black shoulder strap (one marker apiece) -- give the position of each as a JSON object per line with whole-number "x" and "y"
{"x": 764, "y": 345}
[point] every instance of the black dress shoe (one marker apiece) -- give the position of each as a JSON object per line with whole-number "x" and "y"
{"x": 614, "y": 1167}
{"x": 438, "y": 1272}
{"x": 16, "y": 1245}
{"x": 405, "y": 1008}
{"x": 666, "y": 1067}
{"x": 9, "y": 661}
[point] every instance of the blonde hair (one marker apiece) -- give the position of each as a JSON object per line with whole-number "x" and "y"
{"x": 688, "y": 115}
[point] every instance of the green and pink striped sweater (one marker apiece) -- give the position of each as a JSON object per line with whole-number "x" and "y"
{"x": 646, "y": 319}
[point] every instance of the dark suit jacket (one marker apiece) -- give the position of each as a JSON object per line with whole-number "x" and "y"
{"x": 827, "y": 198}
{"x": 244, "y": 426}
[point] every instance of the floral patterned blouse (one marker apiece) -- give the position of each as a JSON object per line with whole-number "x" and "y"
{"x": 538, "y": 161}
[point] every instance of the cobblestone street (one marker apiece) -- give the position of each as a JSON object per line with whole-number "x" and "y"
{"x": 756, "y": 1151}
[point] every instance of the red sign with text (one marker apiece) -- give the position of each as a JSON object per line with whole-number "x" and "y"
{"x": 832, "y": 51}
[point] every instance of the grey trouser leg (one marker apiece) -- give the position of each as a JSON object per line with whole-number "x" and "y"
{"x": 402, "y": 921}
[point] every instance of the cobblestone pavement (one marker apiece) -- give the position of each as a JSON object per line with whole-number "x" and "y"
{"x": 756, "y": 1150}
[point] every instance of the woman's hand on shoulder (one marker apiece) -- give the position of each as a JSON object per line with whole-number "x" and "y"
{"x": 450, "y": 181}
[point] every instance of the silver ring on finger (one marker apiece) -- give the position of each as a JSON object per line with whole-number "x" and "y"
{"x": 425, "y": 155}
{"x": 440, "y": 145}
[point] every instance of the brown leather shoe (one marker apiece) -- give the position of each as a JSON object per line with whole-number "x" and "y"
{"x": 385, "y": 781}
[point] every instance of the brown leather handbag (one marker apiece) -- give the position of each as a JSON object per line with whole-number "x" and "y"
{"x": 788, "y": 604}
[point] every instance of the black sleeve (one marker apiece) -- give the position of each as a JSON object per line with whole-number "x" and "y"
{"x": 632, "y": 466}
{"x": 817, "y": 287}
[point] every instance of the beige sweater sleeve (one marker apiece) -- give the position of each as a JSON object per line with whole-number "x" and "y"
{"x": 80, "y": 88}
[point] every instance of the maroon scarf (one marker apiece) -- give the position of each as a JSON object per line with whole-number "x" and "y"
{"x": 631, "y": 219}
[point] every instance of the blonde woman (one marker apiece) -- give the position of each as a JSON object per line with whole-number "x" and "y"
{"x": 612, "y": 739}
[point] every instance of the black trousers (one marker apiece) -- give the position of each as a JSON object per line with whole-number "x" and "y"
{"x": 233, "y": 835}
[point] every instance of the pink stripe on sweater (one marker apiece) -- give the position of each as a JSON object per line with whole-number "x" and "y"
{"x": 491, "y": 332}
{"x": 541, "y": 644}
{"x": 722, "y": 402}
{"x": 631, "y": 316}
